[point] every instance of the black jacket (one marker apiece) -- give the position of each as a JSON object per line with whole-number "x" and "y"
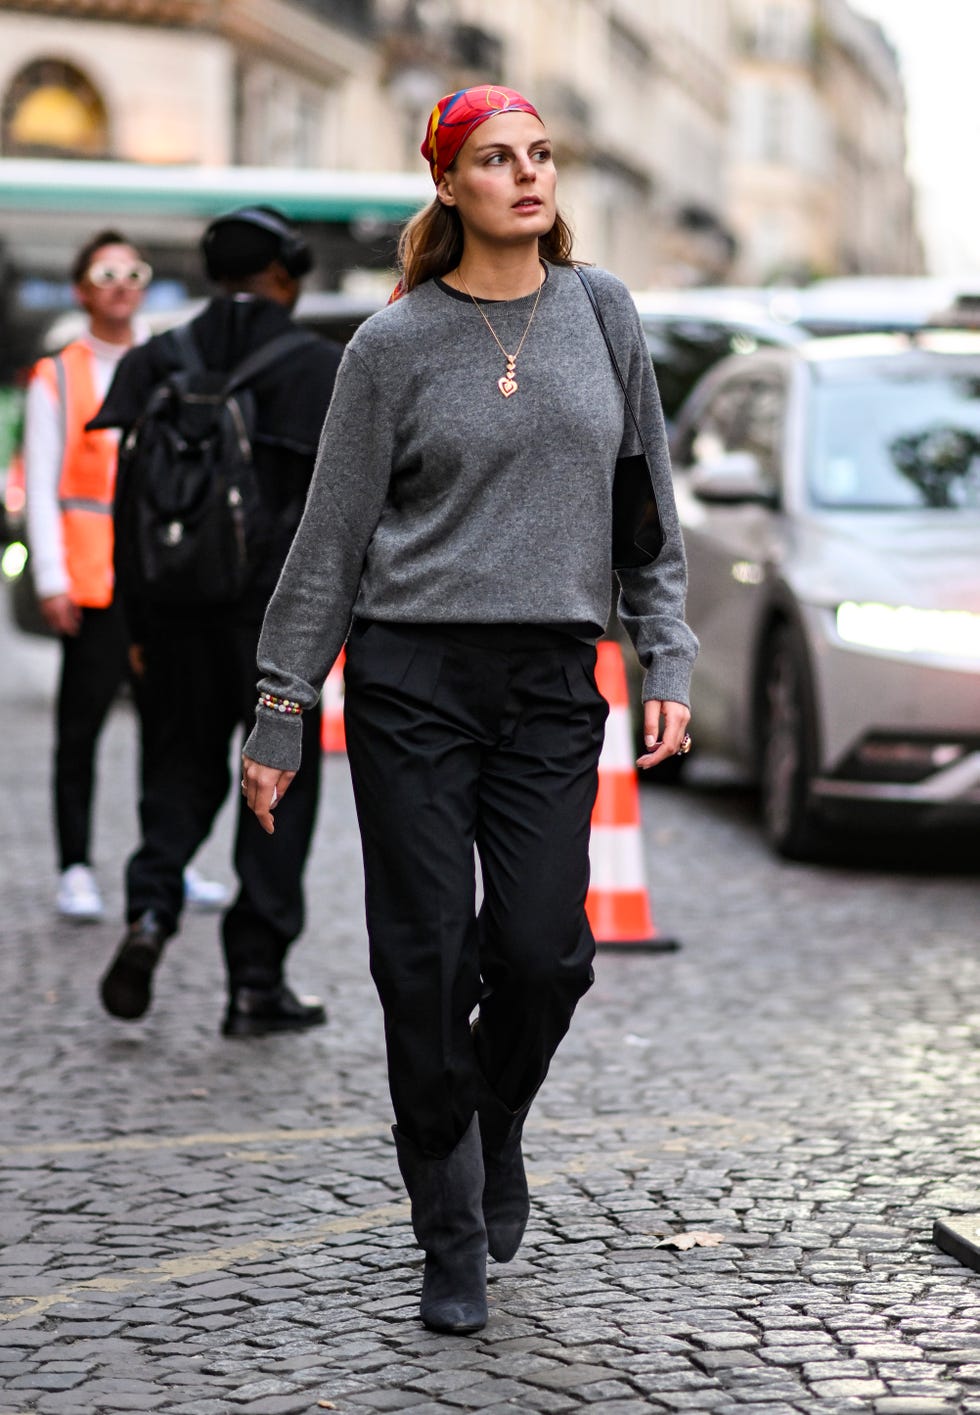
{"x": 291, "y": 400}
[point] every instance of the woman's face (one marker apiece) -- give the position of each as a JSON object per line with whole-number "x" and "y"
{"x": 503, "y": 180}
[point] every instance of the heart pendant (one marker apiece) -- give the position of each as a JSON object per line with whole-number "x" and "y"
{"x": 507, "y": 385}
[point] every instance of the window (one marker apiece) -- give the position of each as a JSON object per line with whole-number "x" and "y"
{"x": 475, "y": 48}
{"x": 52, "y": 110}
{"x": 776, "y": 126}
{"x": 782, "y": 34}
{"x": 745, "y": 414}
{"x": 761, "y": 432}
{"x": 309, "y": 129}
{"x": 356, "y": 15}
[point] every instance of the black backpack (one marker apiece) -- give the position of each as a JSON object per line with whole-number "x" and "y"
{"x": 189, "y": 522}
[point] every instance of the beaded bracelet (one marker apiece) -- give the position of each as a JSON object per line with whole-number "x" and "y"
{"x": 274, "y": 704}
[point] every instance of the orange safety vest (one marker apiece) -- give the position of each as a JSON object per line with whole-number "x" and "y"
{"x": 88, "y": 475}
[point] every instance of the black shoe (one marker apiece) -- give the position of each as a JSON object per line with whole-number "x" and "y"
{"x": 252, "y": 1012}
{"x": 126, "y": 988}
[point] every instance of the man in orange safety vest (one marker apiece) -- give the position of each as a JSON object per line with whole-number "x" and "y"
{"x": 70, "y": 477}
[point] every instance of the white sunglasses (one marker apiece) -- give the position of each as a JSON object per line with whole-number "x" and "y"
{"x": 135, "y": 274}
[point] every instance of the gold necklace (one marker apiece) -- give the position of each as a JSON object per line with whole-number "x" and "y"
{"x": 508, "y": 384}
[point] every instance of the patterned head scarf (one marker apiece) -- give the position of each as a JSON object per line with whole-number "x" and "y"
{"x": 459, "y": 114}
{"x": 450, "y": 124}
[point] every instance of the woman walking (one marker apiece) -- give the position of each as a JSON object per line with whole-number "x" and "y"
{"x": 457, "y": 535}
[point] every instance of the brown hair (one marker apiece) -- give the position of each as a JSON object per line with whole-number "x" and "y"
{"x": 432, "y": 244}
{"x": 83, "y": 259}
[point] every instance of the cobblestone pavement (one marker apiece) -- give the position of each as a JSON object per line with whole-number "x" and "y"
{"x": 201, "y": 1226}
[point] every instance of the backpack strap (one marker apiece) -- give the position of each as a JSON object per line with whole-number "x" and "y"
{"x": 267, "y": 355}
{"x": 187, "y": 350}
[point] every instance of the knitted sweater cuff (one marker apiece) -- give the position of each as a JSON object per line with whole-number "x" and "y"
{"x": 276, "y": 740}
{"x": 668, "y": 681}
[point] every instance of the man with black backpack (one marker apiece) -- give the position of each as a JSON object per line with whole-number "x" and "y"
{"x": 220, "y": 422}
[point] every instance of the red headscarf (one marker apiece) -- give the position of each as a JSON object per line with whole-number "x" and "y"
{"x": 451, "y": 122}
{"x": 459, "y": 114}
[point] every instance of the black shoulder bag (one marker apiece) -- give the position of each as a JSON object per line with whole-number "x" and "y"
{"x": 637, "y": 535}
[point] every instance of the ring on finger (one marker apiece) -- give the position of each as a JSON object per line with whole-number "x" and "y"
{"x": 685, "y": 746}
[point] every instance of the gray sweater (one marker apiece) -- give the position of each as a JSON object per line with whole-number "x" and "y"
{"x": 437, "y": 500}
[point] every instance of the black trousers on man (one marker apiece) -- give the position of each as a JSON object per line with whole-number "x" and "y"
{"x": 93, "y": 668}
{"x": 198, "y": 690}
{"x": 485, "y": 736}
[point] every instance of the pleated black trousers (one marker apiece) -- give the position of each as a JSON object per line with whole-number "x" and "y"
{"x": 463, "y": 737}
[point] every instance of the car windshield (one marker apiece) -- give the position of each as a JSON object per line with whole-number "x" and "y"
{"x": 898, "y": 441}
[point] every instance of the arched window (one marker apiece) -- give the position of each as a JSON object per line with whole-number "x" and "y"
{"x": 52, "y": 110}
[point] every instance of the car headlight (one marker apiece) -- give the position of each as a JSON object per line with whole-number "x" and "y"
{"x": 948, "y": 633}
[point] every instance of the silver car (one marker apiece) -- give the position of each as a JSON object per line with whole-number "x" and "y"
{"x": 830, "y": 501}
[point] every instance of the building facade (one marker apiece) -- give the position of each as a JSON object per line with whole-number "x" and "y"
{"x": 204, "y": 83}
{"x": 194, "y": 81}
{"x": 875, "y": 225}
{"x": 817, "y": 175}
{"x": 635, "y": 93}
{"x": 699, "y": 142}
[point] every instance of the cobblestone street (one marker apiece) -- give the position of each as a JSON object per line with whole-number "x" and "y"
{"x": 201, "y": 1226}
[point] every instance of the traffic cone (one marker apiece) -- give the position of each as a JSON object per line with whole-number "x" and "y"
{"x": 618, "y": 904}
{"x": 332, "y": 736}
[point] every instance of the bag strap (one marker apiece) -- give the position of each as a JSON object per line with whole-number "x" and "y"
{"x": 612, "y": 353}
{"x": 265, "y": 356}
{"x": 190, "y": 354}
{"x": 254, "y": 363}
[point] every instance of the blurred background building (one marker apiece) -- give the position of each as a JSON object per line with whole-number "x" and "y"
{"x": 699, "y": 142}
{"x": 817, "y": 173}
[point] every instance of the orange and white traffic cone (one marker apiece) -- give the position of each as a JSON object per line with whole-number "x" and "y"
{"x": 332, "y": 735}
{"x": 618, "y": 904}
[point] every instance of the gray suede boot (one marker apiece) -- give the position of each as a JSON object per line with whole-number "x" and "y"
{"x": 447, "y": 1216}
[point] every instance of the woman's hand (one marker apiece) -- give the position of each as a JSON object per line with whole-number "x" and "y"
{"x": 263, "y": 788}
{"x": 668, "y": 741}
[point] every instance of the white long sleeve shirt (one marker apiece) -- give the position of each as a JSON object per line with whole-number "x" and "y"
{"x": 44, "y": 450}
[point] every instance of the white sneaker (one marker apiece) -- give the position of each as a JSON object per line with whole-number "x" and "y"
{"x": 78, "y": 895}
{"x": 204, "y": 894}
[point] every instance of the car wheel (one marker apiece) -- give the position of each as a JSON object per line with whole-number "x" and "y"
{"x": 787, "y": 750}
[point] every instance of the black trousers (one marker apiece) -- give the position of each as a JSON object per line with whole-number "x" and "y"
{"x": 93, "y": 668}
{"x": 485, "y": 737}
{"x": 197, "y": 692}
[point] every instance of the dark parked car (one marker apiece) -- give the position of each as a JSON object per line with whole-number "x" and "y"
{"x": 689, "y": 331}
